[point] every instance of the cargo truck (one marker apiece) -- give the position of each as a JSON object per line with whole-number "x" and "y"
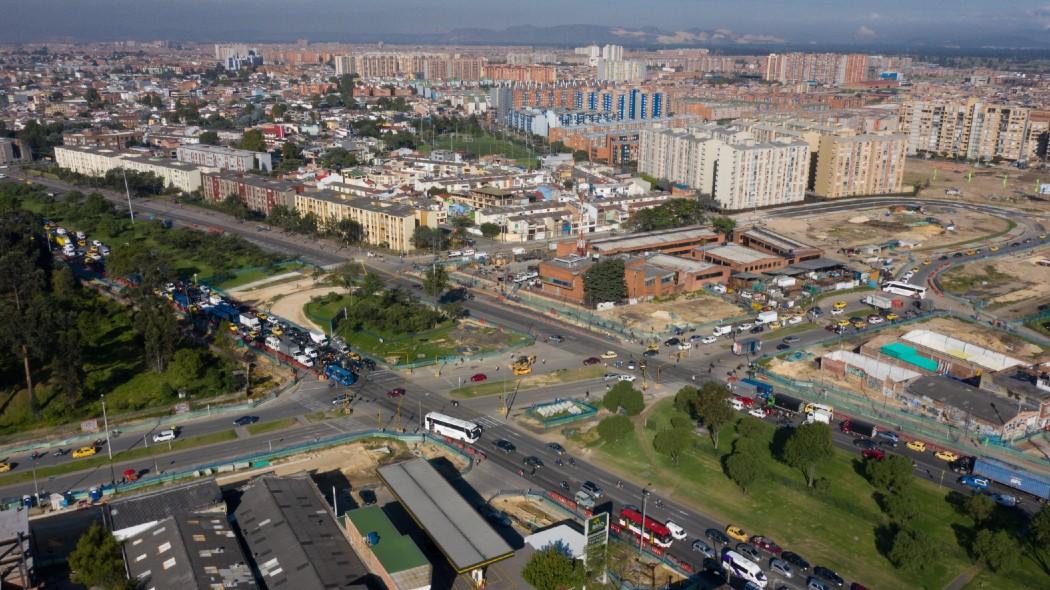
{"x": 249, "y": 321}
{"x": 818, "y": 415}
{"x": 1013, "y": 476}
{"x": 766, "y": 317}
{"x": 852, "y": 426}
{"x": 342, "y": 376}
{"x": 883, "y": 303}
{"x": 788, "y": 403}
{"x": 761, "y": 388}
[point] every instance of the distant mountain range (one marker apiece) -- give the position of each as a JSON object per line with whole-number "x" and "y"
{"x": 586, "y": 34}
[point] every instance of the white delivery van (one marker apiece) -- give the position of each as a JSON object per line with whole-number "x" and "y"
{"x": 722, "y": 330}
{"x": 165, "y": 435}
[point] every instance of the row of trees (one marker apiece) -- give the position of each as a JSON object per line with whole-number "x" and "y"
{"x": 678, "y": 213}
{"x": 139, "y": 184}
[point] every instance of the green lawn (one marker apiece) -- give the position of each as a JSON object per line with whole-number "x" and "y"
{"x": 24, "y": 473}
{"x": 264, "y": 427}
{"x": 250, "y": 275}
{"x": 533, "y": 381}
{"x": 484, "y": 144}
{"x": 837, "y": 530}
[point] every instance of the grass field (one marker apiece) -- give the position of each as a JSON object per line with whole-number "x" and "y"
{"x": 836, "y": 529}
{"x": 533, "y": 381}
{"x": 24, "y": 474}
{"x": 484, "y": 144}
{"x": 250, "y": 275}
{"x": 264, "y": 427}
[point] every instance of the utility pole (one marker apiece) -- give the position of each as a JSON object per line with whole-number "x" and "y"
{"x": 109, "y": 447}
{"x": 127, "y": 192}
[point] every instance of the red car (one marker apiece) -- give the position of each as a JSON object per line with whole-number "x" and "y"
{"x": 874, "y": 454}
{"x": 592, "y": 360}
{"x": 478, "y": 378}
{"x": 766, "y": 545}
{"x": 857, "y": 586}
{"x": 396, "y": 392}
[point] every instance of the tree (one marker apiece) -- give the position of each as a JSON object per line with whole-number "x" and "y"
{"x": 253, "y": 141}
{"x": 338, "y": 158}
{"x": 371, "y": 284}
{"x": 979, "y": 507}
{"x": 672, "y": 442}
{"x": 348, "y": 231}
{"x": 807, "y": 447}
{"x": 624, "y": 395}
{"x": 278, "y": 110}
{"x": 461, "y": 223}
{"x": 910, "y": 551}
{"x": 614, "y": 428}
{"x": 604, "y": 282}
{"x": 429, "y": 238}
{"x": 347, "y": 275}
{"x": 742, "y": 468}
{"x": 1039, "y": 528}
{"x": 291, "y": 151}
{"x": 435, "y": 280}
{"x": 712, "y": 410}
{"x": 554, "y": 569}
{"x": 890, "y": 474}
{"x": 580, "y": 156}
{"x": 93, "y": 98}
{"x": 490, "y": 230}
{"x": 233, "y": 205}
{"x": 97, "y": 561}
{"x": 670, "y": 214}
{"x": 723, "y": 225}
{"x": 996, "y": 549}
{"x": 686, "y": 398}
{"x": 158, "y": 327}
{"x": 67, "y": 363}
{"x": 900, "y": 506}
{"x": 208, "y": 138}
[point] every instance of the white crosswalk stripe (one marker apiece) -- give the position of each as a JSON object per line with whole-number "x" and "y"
{"x": 488, "y": 422}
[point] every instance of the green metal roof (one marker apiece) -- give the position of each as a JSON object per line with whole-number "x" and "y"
{"x": 395, "y": 551}
{"x": 908, "y": 354}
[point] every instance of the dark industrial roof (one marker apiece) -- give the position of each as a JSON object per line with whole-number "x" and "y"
{"x": 187, "y": 552}
{"x": 293, "y": 538}
{"x": 153, "y": 506}
{"x": 980, "y": 403}
{"x": 817, "y": 264}
{"x": 462, "y": 535}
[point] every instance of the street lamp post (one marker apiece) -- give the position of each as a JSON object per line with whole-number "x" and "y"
{"x": 36, "y": 488}
{"x": 109, "y": 447}
{"x": 641, "y": 537}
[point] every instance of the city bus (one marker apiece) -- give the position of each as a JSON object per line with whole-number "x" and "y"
{"x": 656, "y": 532}
{"x": 905, "y": 289}
{"x": 742, "y": 567}
{"x": 452, "y": 427}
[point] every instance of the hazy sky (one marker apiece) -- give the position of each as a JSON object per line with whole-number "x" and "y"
{"x": 968, "y": 22}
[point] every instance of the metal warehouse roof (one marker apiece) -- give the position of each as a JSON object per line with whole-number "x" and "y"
{"x": 462, "y": 535}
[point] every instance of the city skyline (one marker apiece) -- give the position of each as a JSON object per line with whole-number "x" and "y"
{"x": 817, "y": 23}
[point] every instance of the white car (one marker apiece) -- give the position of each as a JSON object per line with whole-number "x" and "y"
{"x": 628, "y": 378}
{"x": 837, "y": 311}
{"x": 795, "y": 319}
{"x": 709, "y": 340}
{"x": 165, "y": 435}
{"x": 684, "y": 346}
{"x": 677, "y": 531}
{"x": 757, "y": 412}
{"x": 743, "y": 326}
{"x": 875, "y": 319}
{"x": 745, "y": 294}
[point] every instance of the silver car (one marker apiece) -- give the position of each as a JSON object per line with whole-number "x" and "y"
{"x": 779, "y": 566}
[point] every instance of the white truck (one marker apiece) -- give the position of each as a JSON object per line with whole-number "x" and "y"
{"x": 273, "y": 342}
{"x": 723, "y": 330}
{"x": 248, "y": 321}
{"x": 318, "y": 337}
{"x": 818, "y": 415}
{"x": 878, "y": 301}
{"x": 766, "y": 317}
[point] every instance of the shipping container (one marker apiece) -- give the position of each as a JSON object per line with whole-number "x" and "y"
{"x": 749, "y": 346}
{"x": 852, "y": 426}
{"x": 761, "y": 387}
{"x": 1013, "y": 476}
{"x": 766, "y": 317}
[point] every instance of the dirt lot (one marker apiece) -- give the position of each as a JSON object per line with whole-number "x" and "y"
{"x": 359, "y": 461}
{"x": 1014, "y": 286}
{"x": 984, "y": 186}
{"x": 285, "y": 299}
{"x": 693, "y": 308}
{"x": 847, "y": 229}
{"x": 530, "y": 513}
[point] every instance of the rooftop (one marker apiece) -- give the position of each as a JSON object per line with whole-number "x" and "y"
{"x": 979, "y": 403}
{"x": 775, "y": 239}
{"x": 735, "y": 253}
{"x": 874, "y": 367}
{"x": 462, "y": 535}
{"x": 293, "y": 538}
{"x": 396, "y": 552}
{"x": 652, "y": 238}
{"x": 189, "y": 551}
{"x": 960, "y": 349}
{"x": 152, "y": 506}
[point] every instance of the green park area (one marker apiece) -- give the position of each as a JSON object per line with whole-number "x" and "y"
{"x": 389, "y": 325}
{"x": 841, "y": 522}
{"x": 79, "y": 342}
{"x": 244, "y": 276}
{"x": 481, "y": 143}
{"x": 531, "y": 381}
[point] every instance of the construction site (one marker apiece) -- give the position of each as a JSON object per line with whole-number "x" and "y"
{"x": 1015, "y": 286}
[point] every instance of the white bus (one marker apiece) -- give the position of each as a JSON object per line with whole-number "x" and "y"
{"x": 905, "y": 289}
{"x": 742, "y": 567}
{"x": 452, "y": 427}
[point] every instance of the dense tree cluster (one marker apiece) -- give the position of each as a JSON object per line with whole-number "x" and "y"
{"x": 671, "y": 214}
{"x": 605, "y": 282}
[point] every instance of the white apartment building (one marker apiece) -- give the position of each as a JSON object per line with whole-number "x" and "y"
{"x": 97, "y": 162}
{"x": 224, "y": 158}
{"x": 621, "y": 70}
{"x": 728, "y": 164}
{"x": 971, "y": 129}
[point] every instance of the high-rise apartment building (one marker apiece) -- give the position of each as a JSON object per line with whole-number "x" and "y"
{"x": 631, "y": 71}
{"x": 868, "y": 164}
{"x": 727, "y": 163}
{"x": 536, "y": 74}
{"x": 344, "y": 64}
{"x": 970, "y": 129}
{"x": 819, "y": 68}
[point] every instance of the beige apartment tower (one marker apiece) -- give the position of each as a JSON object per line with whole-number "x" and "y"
{"x": 852, "y": 165}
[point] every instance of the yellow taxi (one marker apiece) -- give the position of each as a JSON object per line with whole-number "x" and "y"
{"x": 843, "y": 323}
{"x": 859, "y": 323}
{"x": 994, "y": 248}
{"x": 84, "y": 452}
{"x": 5, "y": 467}
{"x": 260, "y": 315}
{"x": 917, "y": 445}
{"x": 233, "y": 328}
{"x": 926, "y": 262}
{"x": 653, "y": 347}
{"x": 891, "y": 316}
{"x": 840, "y": 305}
{"x": 914, "y": 269}
{"x": 971, "y": 252}
{"x": 946, "y": 456}
{"x": 609, "y": 354}
{"x": 276, "y": 331}
{"x": 737, "y": 534}
{"x": 1042, "y": 236}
